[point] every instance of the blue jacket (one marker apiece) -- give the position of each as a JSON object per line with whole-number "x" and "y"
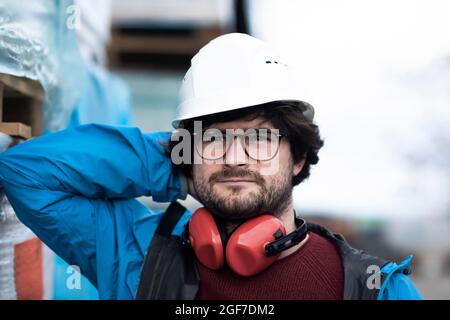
{"x": 76, "y": 190}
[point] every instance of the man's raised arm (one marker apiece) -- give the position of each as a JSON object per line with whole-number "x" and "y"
{"x": 62, "y": 185}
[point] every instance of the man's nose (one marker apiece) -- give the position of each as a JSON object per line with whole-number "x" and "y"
{"x": 235, "y": 154}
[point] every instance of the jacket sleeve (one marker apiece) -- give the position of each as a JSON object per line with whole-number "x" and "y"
{"x": 400, "y": 287}
{"x": 58, "y": 183}
{"x": 397, "y": 284}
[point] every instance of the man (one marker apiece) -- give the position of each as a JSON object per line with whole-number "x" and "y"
{"x": 247, "y": 139}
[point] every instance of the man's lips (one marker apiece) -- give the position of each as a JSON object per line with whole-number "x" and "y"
{"x": 235, "y": 181}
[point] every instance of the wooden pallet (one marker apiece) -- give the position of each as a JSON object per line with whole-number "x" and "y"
{"x": 152, "y": 41}
{"x": 20, "y": 106}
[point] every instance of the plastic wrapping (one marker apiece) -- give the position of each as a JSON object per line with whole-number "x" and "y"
{"x": 12, "y": 234}
{"x": 38, "y": 41}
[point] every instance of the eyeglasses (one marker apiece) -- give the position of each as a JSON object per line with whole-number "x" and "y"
{"x": 259, "y": 144}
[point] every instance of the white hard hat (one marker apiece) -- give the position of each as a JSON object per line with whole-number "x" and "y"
{"x": 235, "y": 71}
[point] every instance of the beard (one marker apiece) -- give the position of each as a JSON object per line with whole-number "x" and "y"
{"x": 272, "y": 196}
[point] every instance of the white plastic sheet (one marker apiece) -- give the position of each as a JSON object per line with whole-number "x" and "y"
{"x": 11, "y": 232}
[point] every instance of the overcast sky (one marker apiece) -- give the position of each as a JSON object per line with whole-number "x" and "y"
{"x": 378, "y": 74}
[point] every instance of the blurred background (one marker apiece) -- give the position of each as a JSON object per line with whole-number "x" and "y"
{"x": 378, "y": 74}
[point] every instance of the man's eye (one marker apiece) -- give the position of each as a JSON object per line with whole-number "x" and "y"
{"x": 213, "y": 137}
{"x": 260, "y": 137}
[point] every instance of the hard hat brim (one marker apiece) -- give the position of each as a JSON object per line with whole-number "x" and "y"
{"x": 307, "y": 109}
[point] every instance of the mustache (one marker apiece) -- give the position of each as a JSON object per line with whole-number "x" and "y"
{"x": 236, "y": 173}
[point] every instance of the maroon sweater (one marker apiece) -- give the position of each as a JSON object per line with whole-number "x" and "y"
{"x": 312, "y": 272}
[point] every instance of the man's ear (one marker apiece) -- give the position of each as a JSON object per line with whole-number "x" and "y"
{"x": 298, "y": 167}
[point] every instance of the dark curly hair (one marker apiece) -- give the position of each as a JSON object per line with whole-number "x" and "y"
{"x": 303, "y": 136}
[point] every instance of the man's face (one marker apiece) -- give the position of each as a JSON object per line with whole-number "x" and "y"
{"x": 237, "y": 188}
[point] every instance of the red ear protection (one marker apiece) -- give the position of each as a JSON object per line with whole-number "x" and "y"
{"x": 205, "y": 239}
{"x": 252, "y": 246}
{"x": 245, "y": 250}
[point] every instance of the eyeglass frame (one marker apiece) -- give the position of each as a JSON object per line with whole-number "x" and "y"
{"x": 279, "y": 135}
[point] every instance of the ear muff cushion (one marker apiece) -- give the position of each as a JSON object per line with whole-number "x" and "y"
{"x": 206, "y": 239}
{"x": 245, "y": 251}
